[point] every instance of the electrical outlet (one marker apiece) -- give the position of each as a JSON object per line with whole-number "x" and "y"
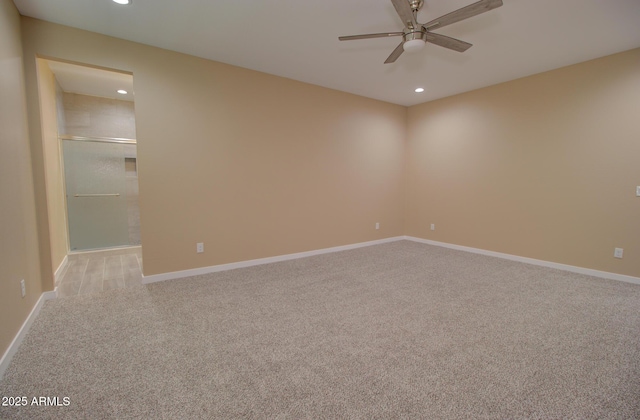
{"x": 23, "y": 288}
{"x": 200, "y": 247}
{"x": 617, "y": 252}
{"x": 377, "y": 226}
{"x": 433, "y": 226}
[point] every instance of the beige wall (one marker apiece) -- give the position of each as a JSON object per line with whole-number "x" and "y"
{"x": 543, "y": 167}
{"x": 18, "y": 239}
{"x": 256, "y": 165}
{"x": 251, "y": 164}
{"x": 53, "y": 170}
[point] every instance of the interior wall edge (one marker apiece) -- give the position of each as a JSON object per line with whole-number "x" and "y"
{"x": 37, "y": 163}
{"x": 54, "y": 190}
{"x": 60, "y": 270}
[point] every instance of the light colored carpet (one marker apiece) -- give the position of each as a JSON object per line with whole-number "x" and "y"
{"x": 401, "y": 330}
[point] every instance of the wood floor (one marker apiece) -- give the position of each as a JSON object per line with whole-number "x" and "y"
{"x": 93, "y": 272}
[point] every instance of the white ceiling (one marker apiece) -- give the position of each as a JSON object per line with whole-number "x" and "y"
{"x": 92, "y": 81}
{"x": 299, "y": 39}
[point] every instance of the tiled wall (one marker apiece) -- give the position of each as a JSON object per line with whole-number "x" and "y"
{"x": 91, "y": 116}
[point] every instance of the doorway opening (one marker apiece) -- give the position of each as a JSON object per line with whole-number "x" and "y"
{"x": 91, "y": 169}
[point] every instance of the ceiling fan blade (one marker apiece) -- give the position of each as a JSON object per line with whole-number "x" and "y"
{"x": 395, "y": 54}
{"x": 367, "y": 36}
{"x": 448, "y": 42}
{"x": 464, "y": 13}
{"x": 405, "y": 12}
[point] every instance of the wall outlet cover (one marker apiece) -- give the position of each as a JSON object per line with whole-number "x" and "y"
{"x": 200, "y": 247}
{"x": 617, "y": 252}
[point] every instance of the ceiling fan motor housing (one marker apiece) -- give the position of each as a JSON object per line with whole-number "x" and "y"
{"x": 415, "y": 40}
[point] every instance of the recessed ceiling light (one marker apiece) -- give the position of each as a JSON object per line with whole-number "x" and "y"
{"x": 122, "y": 91}
{"x": 122, "y": 1}
{"x": 419, "y": 90}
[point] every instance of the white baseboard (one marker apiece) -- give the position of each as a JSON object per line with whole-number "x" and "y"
{"x": 249, "y": 263}
{"x": 564, "y": 267}
{"x": 242, "y": 264}
{"x": 60, "y": 271}
{"x": 17, "y": 340}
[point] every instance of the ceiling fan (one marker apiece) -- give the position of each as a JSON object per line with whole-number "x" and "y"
{"x": 415, "y": 35}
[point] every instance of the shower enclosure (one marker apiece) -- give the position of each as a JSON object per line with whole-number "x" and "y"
{"x": 101, "y": 192}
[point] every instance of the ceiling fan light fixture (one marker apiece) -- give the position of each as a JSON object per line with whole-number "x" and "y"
{"x": 415, "y": 34}
{"x": 122, "y": 2}
{"x": 419, "y": 90}
{"x": 413, "y": 45}
{"x": 122, "y": 92}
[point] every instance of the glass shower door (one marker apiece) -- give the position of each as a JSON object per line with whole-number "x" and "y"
{"x": 96, "y": 194}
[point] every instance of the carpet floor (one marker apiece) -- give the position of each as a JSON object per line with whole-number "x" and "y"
{"x": 399, "y": 330}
